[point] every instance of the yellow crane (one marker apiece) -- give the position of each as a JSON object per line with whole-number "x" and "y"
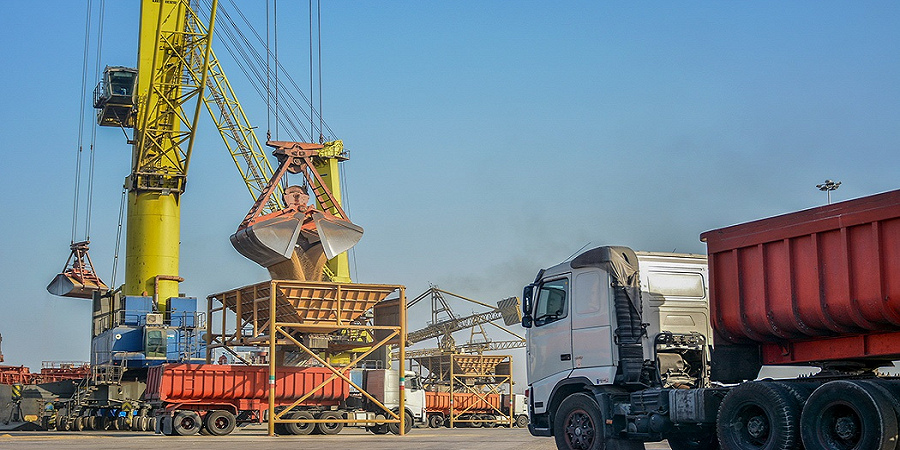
{"x": 177, "y": 75}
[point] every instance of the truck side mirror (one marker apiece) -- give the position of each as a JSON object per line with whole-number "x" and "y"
{"x": 527, "y": 294}
{"x": 526, "y": 321}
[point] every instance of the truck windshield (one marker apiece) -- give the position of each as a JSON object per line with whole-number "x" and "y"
{"x": 551, "y": 303}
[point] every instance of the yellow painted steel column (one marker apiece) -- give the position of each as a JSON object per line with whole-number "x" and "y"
{"x": 151, "y": 240}
{"x": 153, "y": 230}
{"x": 402, "y": 361}
{"x": 329, "y": 169}
{"x": 272, "y": 362}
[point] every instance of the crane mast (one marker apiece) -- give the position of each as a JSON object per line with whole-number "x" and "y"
{"x": 169, "y": 33}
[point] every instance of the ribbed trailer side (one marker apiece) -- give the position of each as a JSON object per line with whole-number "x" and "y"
{"x": 462, "y": 402}
{"x": 199, "y": 383}
{"x": 817, "y": 285}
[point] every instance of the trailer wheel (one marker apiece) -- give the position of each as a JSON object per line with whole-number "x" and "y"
{"x": 521, "y": 421}
{"x": 330, "y": 427}
{"x": 759, "y": 415}
{"x": 847, "y": 414}
{"x": 186, "y": 423}
{"x": 408, "y": 422}
{"x": 78, "y": 423}
{"x": 578, "y": 424}
{"x": 219, "y": 422}
{"x": 435, "y": 420}
{"x": 300, "y": 429}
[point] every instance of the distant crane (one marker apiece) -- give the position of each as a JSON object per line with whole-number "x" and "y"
{"x": 444, "y": 323}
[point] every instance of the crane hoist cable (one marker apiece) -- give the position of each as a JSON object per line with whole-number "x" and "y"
{"x": 78, "y": 278}
{"x": 252, "y": 63}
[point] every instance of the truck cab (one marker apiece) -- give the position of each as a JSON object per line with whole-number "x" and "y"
{"x": 597, "y": 323}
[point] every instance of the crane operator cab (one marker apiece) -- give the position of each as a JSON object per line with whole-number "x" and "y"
{"x": 114, "y": 97}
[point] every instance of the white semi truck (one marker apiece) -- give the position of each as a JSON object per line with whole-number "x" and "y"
{"x": 587, "y": 349}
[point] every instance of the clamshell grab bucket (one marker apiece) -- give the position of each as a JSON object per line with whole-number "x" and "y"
{"x": 270, "y": 241}
{"x": 78, "y": 278}
{"x": 68, "y": 285}
{"x": 337, "y": 235}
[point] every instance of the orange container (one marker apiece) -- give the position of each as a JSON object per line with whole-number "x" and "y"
{"x": 209, "y": 383}
{"x": 463, "y": 402}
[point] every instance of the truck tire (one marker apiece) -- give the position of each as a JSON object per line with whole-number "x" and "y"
{"x": 219, "y": 422}
{"x": 435, "y": 421}
{"x": 521, "y": 421}
{"x": 408, "y": 422}
{"x": 300, "y": 429}
{"x": 378, "y": 429}
{"x": 846, "y": 414}
{"x": 759, "y": 415}
{"x": 330, "y": 427}
{"x": 146, "y": 423}
{"x": 186, "y": 423}
{"x": 578, "y": 424}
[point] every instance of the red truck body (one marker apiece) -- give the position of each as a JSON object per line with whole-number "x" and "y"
{"x": 463, "y": 403}
{"x": 817, "y": 285}
{"x": 200, "y": 386}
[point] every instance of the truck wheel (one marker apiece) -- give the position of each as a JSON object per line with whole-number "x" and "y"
{"x": 378, "y": 429}
{"x": 847, "y": 414}
{"x": 435, "y": 420}
{"x": 578, "y": 424}
{"x": 219, "y": 422}
{"x": 186, "y": 423}
{"x": 144, "y": 422}
{"x": 330, "y": 427}
{"x": 78, "y": 424}
{"x": 759, "y": 415}
{"x": 395, "y": 427}
{"x": 707, "y": 441}
{"x": 300, "y": 429}
{"x": 521, "y": 421}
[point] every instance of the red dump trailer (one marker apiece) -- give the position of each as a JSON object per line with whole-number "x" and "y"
{"x": 188, "y": 398}
{"x": 476, "y": 409}
{"x": 820, "y": 285}
{"x": 219, "y": 397}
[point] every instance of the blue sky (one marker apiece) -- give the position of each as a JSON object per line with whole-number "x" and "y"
{"x": 488, "y": 139}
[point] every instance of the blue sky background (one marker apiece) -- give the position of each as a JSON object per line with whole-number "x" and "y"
{"x": 488, "y": 139}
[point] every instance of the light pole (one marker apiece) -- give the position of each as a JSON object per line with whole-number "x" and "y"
{"x": 829, "y": 186}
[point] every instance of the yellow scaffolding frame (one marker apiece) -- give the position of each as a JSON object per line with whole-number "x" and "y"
{"x": 317, "y": 308}
{"x": 480, "y": 368}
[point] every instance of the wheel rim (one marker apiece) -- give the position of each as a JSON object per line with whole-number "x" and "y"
{"x": 187, "y": 422}
{"x": 840, "y": 427}
{"x": 751, "y": 426}
{"x": 579, "y": 430}
{"x": 221, "y": 423}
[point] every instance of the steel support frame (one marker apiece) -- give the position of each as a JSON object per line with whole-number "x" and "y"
{"x": 458, "y": 385}
{"x": 272, "y": 333}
